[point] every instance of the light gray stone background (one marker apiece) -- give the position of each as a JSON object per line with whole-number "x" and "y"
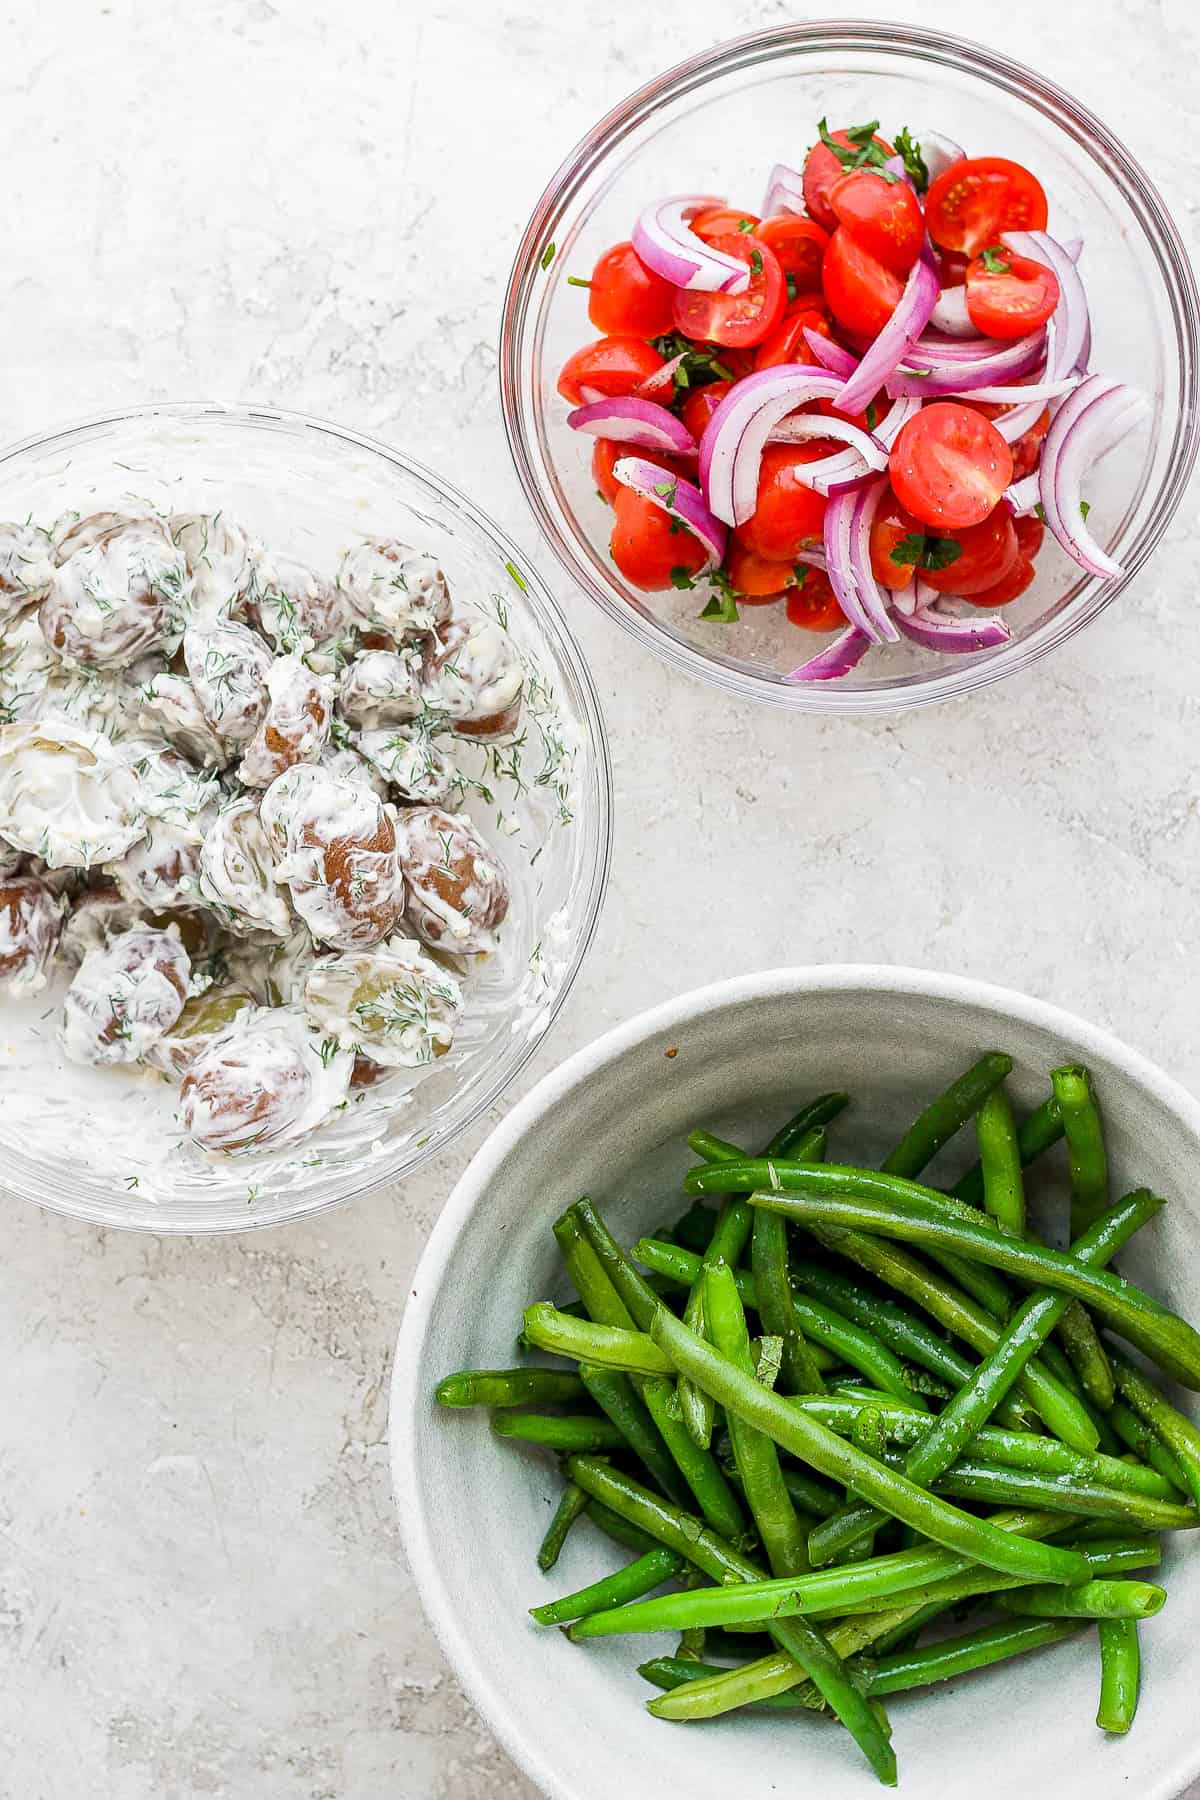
{"x": 314, "y": 202}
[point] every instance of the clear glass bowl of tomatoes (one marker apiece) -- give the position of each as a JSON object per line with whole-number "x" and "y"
{"x": 716, "y": 126}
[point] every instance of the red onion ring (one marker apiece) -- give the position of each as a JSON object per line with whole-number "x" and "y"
{"x": 1022, "y": 496}
{"x": 785, "y": 191}
{"x": 838, "y": 658}
{"x": 665, "y": 244}
{"x": 937, "y": 374}
{"x": 908, "y": 321}
{"x": 940, "y": 152}
{"x": 863, "y": 454}
{"x": 848, "y": 521}
{"x": 1086, "y": 421}
{"x": 1070, "y": 331}
{"x": 661, "y": 385}
{"x": 681, "y": 500}
{"x": 732, "y": 446}
{"x": 1040, "y": 390}
{"x": 951, "y": 316}
{"x": 830, "y": 355}
{"x": 629, "y": 420}
{"x": 935, "y": 630}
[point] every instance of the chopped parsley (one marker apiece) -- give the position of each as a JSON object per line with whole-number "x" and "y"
{"x": 792, "y": 289}
{"x": 680, "y": 577}
{"x": 548, "y": 254}
{"x": 995, "y": 259}
{"x": 872, "y": 415}
{"x": 756, "y": 262}
{"x": 723, "y": 605}
{"x": 800, "y": 574}
{"x": 699, "y": 363}
{"x": 745, "y": 225}
{"x": 666, "y": 491}
{"x": 517, "y": 576}
{"x": 862, "y": 152}
{"x": 908, "y": 149}
{"x": 577, "y": 281}
{"x": 918, "y": 550}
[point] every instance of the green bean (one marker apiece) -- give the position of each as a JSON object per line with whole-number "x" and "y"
{"x": 973, "y": 1479}
{"x": 1086, "y": 1355}
{"x": 557, "y": 1431}
{"x": 669, "y": 1672}
{"x": 811, "y": 1118}
{"x": 822, "y": 1450}
{"x": 947, "y": 1114}
{"x": 755, "y": 1455}
{"x": 1000, "y": 1160}
{"x": 711, "y": 1147}
{"x": 1120, "y": 1673}
{"x": 865, "y": 1719}
{"x": 900, "y": 1673}
{"x": 572, "y": 1503}
{"x": 1085, "y": 1145}
{"x": 616, "y": 1396}
{"x": 1112, "y": 1557}
{"x": 854, "y": 1345}
{"x": 1166, "y": 1421}
{"x": 608, "y": 1346}
{"x": 1035, "y": 1135}
{"x": 509, "y": 1387}
{"x": 958, "y": 1313}
{"x": 769, "y": 1262}
{"x": 630, "y": 1583}
{"x": 592, "y": 1284}
{"x": 693, "y": 1229}
{"x": 1141, "y": 1440}
{"x": 620, "y": 1530}
{"x": 1093, "y": 1600}
{"x": 838, "y": 1196}
{"x": 809, "y": 1495}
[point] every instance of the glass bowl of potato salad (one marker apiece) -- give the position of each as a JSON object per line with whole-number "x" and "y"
{"x": 304, "y": 816}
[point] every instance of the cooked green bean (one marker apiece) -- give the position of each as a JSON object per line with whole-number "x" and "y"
{"x": 1104, "y": 1559}
{"x": 1135, "y": 1433}
{"x": 604, "y": 1305}
{"x": 630, "y": 1583}
{"x": 616, "y": 1396}
{"x": 822, "y": 1450}
{"x": 1093, "y": 1600}
{"x": 810, "y": 1495}
{"x": 606, "y": 1345}
{"x": 908, "y": 1669}
{"x": 509, "y": 1387}
{"x": 971, "y": 1478}
{"x": 632, "y": 1286}
{"x": 711, "y": 1147}
{"x": 809, "y": 1119}
{"x": 756, "y": 1457}
{"x": 728, "y": 1241}
{"x": 693, "y": 1229}
{"x": 1086, "y": 1355}
{"x": 572, "y": 1503}
{"x": 947, "y": 1114}
{"x": 1085, "y": 1145}
{"x": 560, "y": 1431}
{"x": 699, "y": 1468}
{"x": 1166, "y": 1421}
{"x": 865, "y": 1719}
{"x": 1035, "y": 1135}
{"x": 620, "y": 1530}
{"x": 769, "y": 1262}
{"x": 860, "y": 1348}
{"x": 1000, "y": 1161}
{"x": 839, "y": 1196}
{"x": 1120, "y": 1673}
{"x": 670, "y": 1672}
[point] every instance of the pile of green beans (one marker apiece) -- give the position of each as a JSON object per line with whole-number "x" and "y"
{"x": 799, "y": 1408}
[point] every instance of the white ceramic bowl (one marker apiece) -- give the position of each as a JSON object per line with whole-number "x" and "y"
{"x": 611, "y": 1122}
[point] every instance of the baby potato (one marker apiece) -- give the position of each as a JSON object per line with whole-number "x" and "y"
{"x": 125, "y": 996}
{"x": 457, "y": 892}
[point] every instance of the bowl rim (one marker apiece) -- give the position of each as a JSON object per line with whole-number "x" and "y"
{"x": 547, "y": 611}
{"x": 407, "y": 1391}
{"x": 1160, "y": 235}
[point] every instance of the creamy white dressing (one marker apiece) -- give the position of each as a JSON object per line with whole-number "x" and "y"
{"x": 394, "y": 589}
{"x": 126, "y": 994}
{"x": 393, "y": 1004}
{"x": 269, "y": 1079}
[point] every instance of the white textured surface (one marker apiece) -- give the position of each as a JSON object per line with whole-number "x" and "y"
{"x": 315, "y": 204}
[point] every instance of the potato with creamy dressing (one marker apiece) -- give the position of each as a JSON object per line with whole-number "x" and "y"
{"x": 126, "y": 994}
{"x": 457, "y": 891}
{"x": 269, "y": 1079}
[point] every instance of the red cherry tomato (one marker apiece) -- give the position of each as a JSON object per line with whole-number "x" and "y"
{"x": 756, "y": 581}
{"x": 987, "y": 552}
{"x": 1027, "y": 450}
{"x": 952, "y": 265}
{"x": 823, "y": 169}
{"x": 1030, "y": 532}
{"x": 1009, "y": 295}
{"x": 814, "y": 605}
{"x": 720, "y": 221}
{"x": 610, "y": 367}
{"x": 701, "y": 404}
{"x": 859, "y": 291}
{"x": 974, "y": 202}
{"x": 949, "y": 466}
{"x": 787, "y": 343}
{"x": 787, "y": 515}
{"x": 648, "y": 546}
{"x": 883, "y": 216}
{"x": 736, "y": 319}
{"x": 892, "y": 525}
{"x": 1007, "y": 588}
{"x": 799, "y": 246}
{"x": 608, "y": 452}
{"x": 628, "y": 297}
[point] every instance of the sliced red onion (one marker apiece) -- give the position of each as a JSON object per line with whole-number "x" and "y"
{"x": 933, "y": 372}
{"x": 814, "y": 558}
{"x": 848, "y": 467}
{"x": 936, "y": 630}
{"x": 1092, "y": 415}
{"x": 1034, "y": 390}
{"x": 894, "y": 166}
{"x": 908, "y": 321}
{"x": 1018, "y": 420}
{"x": 1073, "y": 248}
{"x": 665, "y": 244}
{"x": 679, "y": 499}
{"x": 940, "y": 152}
{"x": 845, "y": 653}
{"x": 1022, "y": 496}
{"x": 895, "y": 419}
{"x": 1070, "y": 326}
{"x": 629, "y": 420}
{"x": 661, "y": 385}
{"x": 934, "y": 350}
{"x": 848, "y": 521}
{"x": 951, "y": 316}
{"x": 732, "y": 446}
{"x": 785, "y": 191}
{"x": 830, "y": 355}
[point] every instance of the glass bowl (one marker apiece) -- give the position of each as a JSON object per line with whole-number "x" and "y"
{"x": 103, "y": 1144}
{"x": 716, "y": 124}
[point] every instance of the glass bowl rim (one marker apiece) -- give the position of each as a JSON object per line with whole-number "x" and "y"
{"x": 552, "y": 624}
{"x": 905, "y": 42}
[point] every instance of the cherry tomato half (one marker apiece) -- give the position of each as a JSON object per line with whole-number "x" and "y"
{"x": 608, "y": 452}
{"x": 1014, "y": 582}
{"x": 1030, "y": 532}
{"x": 736, "y": 319}
{"x": 787, "y": 515}
{"x": 883, "y": 216}
{"x": 787, "y": 343}
{"x": 720, "y": 221}
{"x": 814, "y": 605}
{"x": 756, "y": 581}
{"x": 1009, "y": 295}
{"x": 1027, "y": 451}
{"x": 975, "y": 201}
{"x": 648, "y": 546}
{"x": 799, "y": 246}
{"x": 823, "y": 169}
{"x": 628, "y": 297}
{"x": 986, "y": 552}
{"x": 609, "y": 367}
{"x": 952, "y": 267}
{"x": 892, "y": 525}
{"x": 949, "y": 466}
{"x": 860, "y": 292}
{"x": 701, "y": 404}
